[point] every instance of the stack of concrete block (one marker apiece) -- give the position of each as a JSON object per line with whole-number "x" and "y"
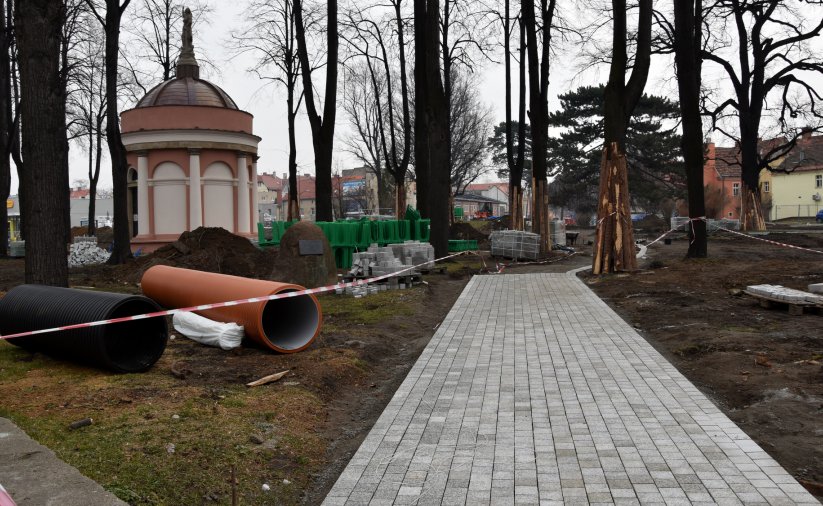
{"x": 788, "y": 295}
{"x": 377, "y": 261}
{"x": 557, "y": 233}
{"x": 515, "y": 244}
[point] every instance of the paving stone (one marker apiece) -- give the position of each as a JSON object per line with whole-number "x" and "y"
{"x": 533, "y": 391}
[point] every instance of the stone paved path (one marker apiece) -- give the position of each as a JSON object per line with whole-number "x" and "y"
{"x": 533, "y": 391}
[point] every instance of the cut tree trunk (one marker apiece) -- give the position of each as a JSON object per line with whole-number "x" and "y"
{"x": 516, "y": 208}
{"x": 400, "y": 199}
{"x": 751, "y": 212}
{"x": 615, "y": 237}
{"x": 540, "y": 213}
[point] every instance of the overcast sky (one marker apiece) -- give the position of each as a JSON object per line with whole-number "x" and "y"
{"x": 267, "y": 102}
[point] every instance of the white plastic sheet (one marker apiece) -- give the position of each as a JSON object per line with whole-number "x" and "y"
{"x": 209, "y": 332}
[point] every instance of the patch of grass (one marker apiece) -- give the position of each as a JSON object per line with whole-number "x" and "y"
{"x": 372, "y": 308}
{"x": 137, "y": 449}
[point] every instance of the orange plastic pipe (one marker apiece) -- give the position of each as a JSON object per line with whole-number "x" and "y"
{"x": 284, "y": 325}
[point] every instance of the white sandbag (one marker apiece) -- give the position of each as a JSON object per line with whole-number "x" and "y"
{"x": 225, "y": 335}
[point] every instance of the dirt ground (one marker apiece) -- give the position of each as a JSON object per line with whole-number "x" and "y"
{"x": 761, "y": 366}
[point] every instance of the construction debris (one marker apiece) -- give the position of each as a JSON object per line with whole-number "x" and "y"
{"x": 84, "y": 251}
{"x": 267, "y": 379}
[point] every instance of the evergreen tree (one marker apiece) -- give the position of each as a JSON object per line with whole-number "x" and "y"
{"x": 497, "y": 147}
{"x": 652, "y": 150}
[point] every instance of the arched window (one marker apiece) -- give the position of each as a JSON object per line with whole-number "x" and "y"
{"x": 218, "y": 196}
{"x": 169, "y": 199}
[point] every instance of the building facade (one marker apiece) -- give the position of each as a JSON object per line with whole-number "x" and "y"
{"x": 192, "y": 158}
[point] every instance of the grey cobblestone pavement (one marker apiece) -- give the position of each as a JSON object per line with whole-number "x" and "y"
{"x": 533, "y": 391}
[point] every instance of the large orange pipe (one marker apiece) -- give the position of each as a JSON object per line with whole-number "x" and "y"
{"x": 285, "y": 325}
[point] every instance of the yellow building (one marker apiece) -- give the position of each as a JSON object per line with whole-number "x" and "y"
{"x": 796, "y": 188}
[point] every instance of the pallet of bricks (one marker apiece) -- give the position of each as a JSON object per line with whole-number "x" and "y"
{"x": 797, "y": 301}
{"x": 394, "y": 258}
{"x": 515, "y": 244}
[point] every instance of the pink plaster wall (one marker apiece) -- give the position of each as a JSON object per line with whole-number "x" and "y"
{"x": 168, "y": 117}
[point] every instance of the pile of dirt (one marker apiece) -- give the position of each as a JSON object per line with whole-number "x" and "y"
{"x": 466, "y": 232}
{"x": 306, "y": 270}
{"x": 209, "y": 249}
{"x": 105, "y": 235}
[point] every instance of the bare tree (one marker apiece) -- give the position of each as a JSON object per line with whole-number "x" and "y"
{"x": 152, "y": 28}
{"x": 385, "y": 58}
{"x": 514, "y": 162}
{"x": 272, "y": 40}
{"x": 39, "y": 25}
{"x": 6, "y": 122}
{"x": 771, "y": 67}
{"x": 688, "y": 39}
{"x": 539, "y": 109}
{"x": 322, "y": 128}
{"x": 470, "y": 126}
{"x": 614, "y": 243}
{"x": 362, "y": 103}
{"x": 110, "y": 21}
{"x": 89, "y": 98}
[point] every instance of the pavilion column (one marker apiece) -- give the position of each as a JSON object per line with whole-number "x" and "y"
{"x": 143, "y": 193}
{"x": 255, "y": 195}
{"x": 195, "y": 200}
{"x": 243, "y": 218}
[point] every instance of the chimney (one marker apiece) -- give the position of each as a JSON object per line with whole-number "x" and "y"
{"x": 806, "y": 133}
{"x": 285, "y": 175}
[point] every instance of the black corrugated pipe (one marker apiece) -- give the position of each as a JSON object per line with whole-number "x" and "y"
{"x": 131, "y": 346}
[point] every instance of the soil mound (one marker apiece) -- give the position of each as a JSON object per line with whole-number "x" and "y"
{"x": 466, "y": 232}
{"x": 105, "y": 235}
{"x": 210, "y": 249}
{"x": 307, "y": 270}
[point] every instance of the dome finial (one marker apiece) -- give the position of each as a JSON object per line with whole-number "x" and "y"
{"x": 186, "y": 63}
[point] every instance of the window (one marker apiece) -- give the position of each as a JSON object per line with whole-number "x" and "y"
{"x": 766, "y": 187}
{"x": 818, "y": 181}
{"x": 735, "y": 189}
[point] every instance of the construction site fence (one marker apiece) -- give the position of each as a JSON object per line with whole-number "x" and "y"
{"x": 682, "y": 223}
{"x": 347, "y": 236}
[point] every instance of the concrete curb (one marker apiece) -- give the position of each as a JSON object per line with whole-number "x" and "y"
{"x": 33, "y": 475}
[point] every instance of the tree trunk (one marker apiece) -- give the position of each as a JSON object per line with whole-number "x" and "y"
{"x": 614, "y": 247}
{"x": 438, "y": 136}
{"x": 751, "y": 212}
{"x": 121, "y": 247}
{"x": 5, "y": 127}
{"x": 400, "y": 198}
{"x": 614, "y": 242}
{"x": 538, "y": 114}
{"x": 421, "y": 138}
{"x": 294, "y": 197}
{"x": 687, "y": 44}
{"x": 322, "y": 128}
{"x": 43, "y": 110}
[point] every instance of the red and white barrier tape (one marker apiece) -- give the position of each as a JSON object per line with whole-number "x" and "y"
{"x": 735, "y": 232}
{"x": 5, "y": 498}
{"x": 286, "y": 295}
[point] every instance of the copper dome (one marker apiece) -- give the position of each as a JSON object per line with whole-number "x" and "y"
{"x": 187, "y": 91}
